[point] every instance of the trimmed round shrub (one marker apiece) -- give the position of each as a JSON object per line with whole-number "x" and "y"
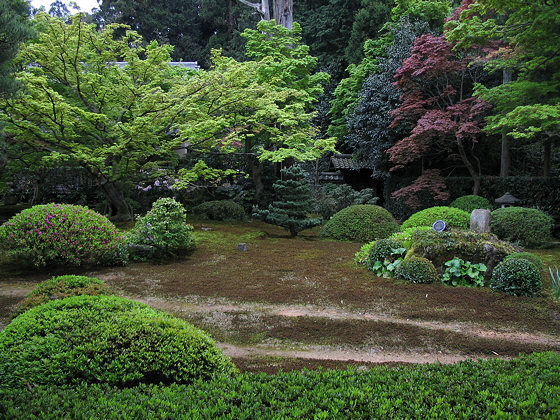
{"x": 162, "y": 232}
{"x": 62, "y": 234}
{"x": 105, "y": 339}
{"x": 455, "y": 218}
{"x": 60, "y": 287}
{"x": 416, "y": 270}
{"x": 528, "y": 227}
{"x": 529, "y": 257}
{"x": 361, "y": 223}
{"x": 381, "y": 250}
{"x": 469, "y": 203}
{"x": 517, "y": 277}
{"x": 220, "y": 210}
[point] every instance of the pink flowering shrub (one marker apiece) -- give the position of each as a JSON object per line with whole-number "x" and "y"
{"x": 62, "y": 234}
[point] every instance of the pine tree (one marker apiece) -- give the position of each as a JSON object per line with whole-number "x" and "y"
{"x": 290, "y": 212}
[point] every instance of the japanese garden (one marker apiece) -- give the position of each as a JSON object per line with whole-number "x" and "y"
{"x": 280, "y": 209}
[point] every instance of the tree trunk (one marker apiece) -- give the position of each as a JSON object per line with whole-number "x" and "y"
{"x": 472, "y": 171}
{"x": 118, "y": 208}
{"x": 547, "y": 157}
{"x": 505, "y": 161}
{"x": 256, "y": 174}
{"x": 284, "y": 13}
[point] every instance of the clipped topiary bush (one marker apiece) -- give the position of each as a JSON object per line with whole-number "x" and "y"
{"x": 469, "y": 203}
{"x": 162, "y": 232}
{"x": 220, "y": 210}
{"x": 416, "y": 270}
{"x": 60, "y": 287}
{"x": 529, "y": 257}
{"x": 332, "y": 198}
{"x": 454, "y": 218}
{"x": 528, "y": 227}
{"x": 517, "y": 277}
{"x": 105, "y": 339}
{"x": 440, "y": 247}
{"x": 361, "y": 223}
{"x": 62, "y": 234}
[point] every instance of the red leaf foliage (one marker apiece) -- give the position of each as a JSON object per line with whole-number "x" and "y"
{"x": 430, "y": 181}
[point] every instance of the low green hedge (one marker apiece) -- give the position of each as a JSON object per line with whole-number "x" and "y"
{"x": 361, "y": 223}
{"x": 105, "y": 339}
{"x": 220, "y": 210}
{"x": 527, "y": 387}
{"x": 469, "y": 203}
{"x": 60, "y": 287}
{"x": 453, "y": 217}
{"x": 528, "y": 227}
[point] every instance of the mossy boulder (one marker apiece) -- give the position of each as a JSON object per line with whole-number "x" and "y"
{"x": 105, "y": 339}
{"x": 360, "y": 223}
{"x": 440, "y": 247}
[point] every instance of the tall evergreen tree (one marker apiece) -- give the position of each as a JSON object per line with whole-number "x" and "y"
{"x": 293, "y": 205}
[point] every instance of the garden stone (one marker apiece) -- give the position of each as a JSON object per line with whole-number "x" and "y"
{"x": 480, "y": 220}
{"x": 242, "y": 247}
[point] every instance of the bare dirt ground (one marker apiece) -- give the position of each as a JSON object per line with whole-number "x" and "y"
{"x": 295, "y": 303}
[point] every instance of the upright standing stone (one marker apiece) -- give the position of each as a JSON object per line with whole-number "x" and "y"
{"x": 480, "y": 220}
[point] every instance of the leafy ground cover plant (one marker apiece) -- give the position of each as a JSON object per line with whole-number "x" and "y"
{"x": 463, "y": 273}
{"x": 416, "y": 270}
{"x": 361, "y": 223}
{"x": 469, "y": 203}
{"x": 517, "y": 277}
{"x": 62, "y": 234}
{"x": 162, "y": 232}
{"x": 524, "y": 387}
{"x": 455, "y": 218}
{"x": 385, "y": 256}
{"x": 60, "y": 287}
{"x": 220, "y": 210}
{"x": 105, "y": 339}
{"x": 528, "y": 227}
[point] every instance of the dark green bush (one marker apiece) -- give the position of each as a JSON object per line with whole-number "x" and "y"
{"x": 524, "y": 387}
{"x": 361, "y": 223}
{"x": 332, "y": 198}
{"x": 529, "y": 257}
{"x": 162, "y": 232}
{"x": 381, "y": 250}
{"x": 416, "y": 270}
{"x": 517, "y": 277}
{"x": 62, "y": 234}
{"x": 469, "y": 203}
{"x": 440, "y": 247}
{"x": 220, "y": 210}
{"x": 528, "y": 227}
{"x": 60, "y": 287}
{"x": 454, "y": 218}
{"x": 105, "y": 339}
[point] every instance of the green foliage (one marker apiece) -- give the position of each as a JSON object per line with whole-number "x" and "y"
{"x": 163, "y": 231}
{"x": 362, "y": 256}
{"x": 220, "y": 210}
{"x": 528, "y": 227}
{"x": 293, "y": 205}
{"x": 416, "y": 270}
{"x": 385, "y": 256}
{"x": 361, "y": 223}
{"x": 529, "y": 257}
{"x": 463, "y": 273}
{"x": 404, "y": 236}
{"x": 555, "y": 281}
{"x": 469, "y": 203}
{"x": 62, "y": 234}
{"x": 60, "y": 287}
{"x": 105, "y": 339}
{"x": 517, "y": 277}
{"x": 332, "y": 198}
{"x": 440, "y": 247}
{"x": 524, "y": 387}
{"x": 454, "y": 218}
